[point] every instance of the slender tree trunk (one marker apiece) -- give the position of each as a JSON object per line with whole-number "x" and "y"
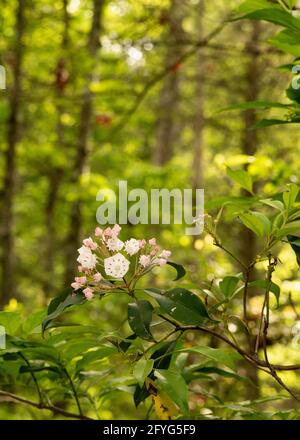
{"x": 169, "y": 97}
{"x": 56, "y": 173}
{"x": 197, "y": 166}
{"x": 8, "y": 280}
{"x": 73, "y": 238}
{"x": 249, "y": 148}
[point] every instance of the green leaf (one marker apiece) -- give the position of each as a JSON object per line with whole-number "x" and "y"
{"x": 255, "y": 105}
{"x": 163, "y": 354}
{"x": 287, "y": 41}
{"x": 289, "y": 228}
{"x": 263, "y": 284}
{"x": 76, "y": 347}
{"x": 192, "y": 372}
{"x": 139, "y": 318}
{"x": 290, "y": 196}
{"x": 175, "y": 386}
{"x": 223, "y": 356}
{"x": 94, "y": 356}
{"x": 37, "y": 369}
{"x": 264, "y": 123}
{"x": 228, "y": 286}
{"x": 179, "y": 269}
{"x": 257, "y": 222}
{"x": 276, "y": 204}
{"x": 182, "y": 305}
{"x": 241, "y": 177}
{"x": 253, "y": 5}
{"x": 162, "y": 357}
{"x": 142, "y": 369}
{"x": 60, "y": 303}
{"x": 276, "y": 16}
{"x": 33, "y": 321}
{"x": 11, "y": 321}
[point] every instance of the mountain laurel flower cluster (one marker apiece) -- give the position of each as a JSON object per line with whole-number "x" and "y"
{"x": 105, "y": 261}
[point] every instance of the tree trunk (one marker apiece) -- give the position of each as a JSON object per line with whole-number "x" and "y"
{"x": 199, "y": 108}
{"x": 56, "y": 173}
{"x": 8, "y": 280}
{"x": 169, "y": 97}
{"x": 249, "y": 147}
{"x": 81, "y": 159}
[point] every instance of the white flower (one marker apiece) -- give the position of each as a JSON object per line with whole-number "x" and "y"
{"x": 86, "y": 258}
{"x": 132, "y": 246}
{"x": 114, "y": 244}
{"x": 145, "y": 260}
{"x": 116, "y": 266}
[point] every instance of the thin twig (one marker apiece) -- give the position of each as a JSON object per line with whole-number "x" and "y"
{"x": 73, "y": 390}
{"x": 33, "y": 376}
{"x": 54, "y": 409}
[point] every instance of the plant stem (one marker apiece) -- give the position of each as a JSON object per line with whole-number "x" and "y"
{"x": 33, "y": 377}
{"x": 73, "y": 390}
{"x": 13, "y": 397}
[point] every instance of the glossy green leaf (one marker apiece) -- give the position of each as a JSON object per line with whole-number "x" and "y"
{"x": 228, "y": 286}
{"x": 93, "y": 356}
{"x": 224, "y": 356}
{"x": 179, "y": 269}
{"x": 257, "y": 222}
{"x": 290, "y": 196}
{"x": 60, "y": 303}
{"x": 175, "y": 386}
{"x": 264, "y": 284}
{"x": 140, "y": 317}
{"x": 142, "y": 369}
{"x": 241, "y": 177}
{"x": 255, "y": 105}
{"x": 33, "y": 321}
{"x": 276, "y": 204}
{"x": 276, "y": 16}
{"x": 264, "y": 123}
{"x": 253, "y": 5}
{"x": 182, "y": 305}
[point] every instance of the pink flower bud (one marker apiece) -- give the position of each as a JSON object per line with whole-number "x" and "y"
{"x": 76, "y": 285}
{"x": 97, "y": 277}
{"x": 108, "y": 232}
{"x": 162, "y": 262}
{"x": 152, "y": 241}
{"x": 116, "y": 230}
{"x": 88, "y": 293}
{"x": 89, "y": 243}
{"x": 98, "y": 232}
{"x": 165, "y": 254}
{"x": 142, "y": 243}
{"x": 80, "y": 280}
